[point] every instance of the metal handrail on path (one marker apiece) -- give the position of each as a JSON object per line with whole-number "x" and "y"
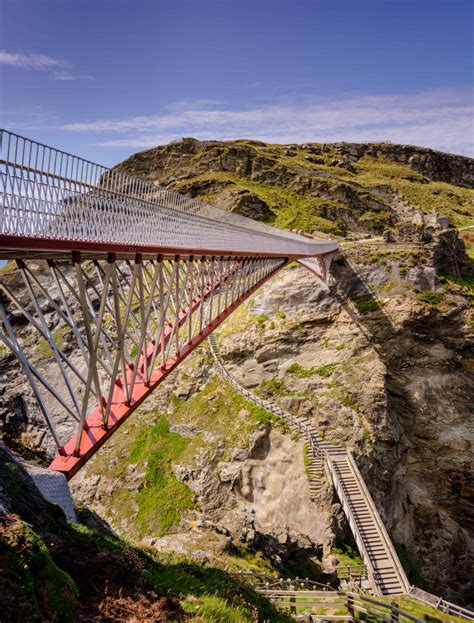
{"x": 331, "y": 454}
{"x": 441, "y": 604}
{"x": 299, "y": 595}
{"x": 319, "y": 449}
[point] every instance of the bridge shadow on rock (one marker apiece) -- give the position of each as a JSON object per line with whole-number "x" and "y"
{"x": 358, "y": 300}
{"x": 412, "y": 422}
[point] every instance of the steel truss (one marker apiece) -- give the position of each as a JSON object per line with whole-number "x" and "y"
{"x": 123, "y": 278}
{"x": 132, "y": 321}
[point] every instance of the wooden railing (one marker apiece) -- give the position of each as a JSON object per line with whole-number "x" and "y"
{"x": 337, "y": 606}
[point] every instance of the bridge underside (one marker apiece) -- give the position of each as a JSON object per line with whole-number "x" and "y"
{"x": 115, "y": 329}
{"x": 118, "y": 281}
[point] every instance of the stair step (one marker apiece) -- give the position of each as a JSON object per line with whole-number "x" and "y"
{"x": 347, "y": 480}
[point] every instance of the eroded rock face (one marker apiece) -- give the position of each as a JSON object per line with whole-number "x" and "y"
{"x": 245, "y": 203}
{"x": 396, "y": 387}
{"x": 332, "y": 180}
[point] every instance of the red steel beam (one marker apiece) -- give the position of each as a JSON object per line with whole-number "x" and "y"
{"x": 95, "y": 434}
{"x": 27, "y": 245}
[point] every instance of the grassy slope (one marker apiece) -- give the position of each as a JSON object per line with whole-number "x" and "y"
{"x": 146, "y": 445}
{"x": 51, "y": 568}
{"x": 300, "y": 209}
{"x": 291, "y": 210}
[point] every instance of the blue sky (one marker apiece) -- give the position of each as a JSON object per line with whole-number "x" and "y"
{"x": 106, "y": 78}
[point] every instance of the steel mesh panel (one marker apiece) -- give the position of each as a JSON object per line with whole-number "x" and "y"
{"x": 47, "y": 193}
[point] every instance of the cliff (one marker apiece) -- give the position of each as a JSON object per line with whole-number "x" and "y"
{"x": 334, "y": 188}
{"x": 381, "y": 362}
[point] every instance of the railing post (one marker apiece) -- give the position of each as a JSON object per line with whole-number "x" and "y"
{"x": 395, "y": 616}
{"x": 292, "y": 605}
{"x": 350, "y": 606}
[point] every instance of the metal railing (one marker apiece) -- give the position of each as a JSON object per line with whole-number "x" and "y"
{"x": 303, "y": 596}
{"x": 373, "y": 575}
{"x": 360, "y": 572}
{"x": 49, "y": 194}
{"x": 337, "y": 606}
{"x": 441, "y": 604}
{"x": 269, "y": 406}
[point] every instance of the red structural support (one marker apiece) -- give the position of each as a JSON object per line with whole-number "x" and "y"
{"x": 95, "y": 434}
{"x": 135, "y": 276}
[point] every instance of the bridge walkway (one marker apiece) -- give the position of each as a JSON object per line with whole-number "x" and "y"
{"x": 386, "y": 575}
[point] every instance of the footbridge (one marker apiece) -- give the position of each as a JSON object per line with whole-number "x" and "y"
{"x": 118, "y": 281}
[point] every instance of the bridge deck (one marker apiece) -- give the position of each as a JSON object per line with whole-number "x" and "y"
{"x": 56, "y": 202}
{"x": 134, "y": 276}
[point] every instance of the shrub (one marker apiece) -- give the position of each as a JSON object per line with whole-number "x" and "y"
{"x": 432, "y": 298}
{"x": 365, "y": 303}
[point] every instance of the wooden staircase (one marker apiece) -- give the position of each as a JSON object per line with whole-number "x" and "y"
{"x": 384, "y": 570}
{"x": 369, "y": 532}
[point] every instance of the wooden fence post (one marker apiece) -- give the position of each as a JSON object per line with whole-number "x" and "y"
{"x": 350, "y": 606}
{"x": 292, "y": 607}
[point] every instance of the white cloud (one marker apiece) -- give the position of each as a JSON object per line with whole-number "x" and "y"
{"x": 441, "y": 119}
{"x": 31, "y": 61}
{"x": 58, "y": 68}
{"x": 67, "y": 75}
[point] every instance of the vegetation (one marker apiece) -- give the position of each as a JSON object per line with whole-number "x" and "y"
{"x": 290, "y": 210}
{"x": 211, "y": 408}
{"x": 162, "y": 497}
{"x": 44, "y": 349}
{"x": 210, "y": 593}
{"x": 434, "y": 299}
{"x": 365, "y": 303}
{"x": 163, "y": 500}
{"x": 448, "y": 199}
{"x": 413, "y": 574}
{"x": 463, "y": 285}
{"x": 301, "y": 372}
{"x": 348, "y": 556}
{"x": 422, "y": 611}
{"x": 308, "y": 191}
{"x": 32, "y": 578}
{"x": 50, "y": 568}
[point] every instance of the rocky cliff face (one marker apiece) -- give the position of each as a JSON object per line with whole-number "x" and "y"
{"x": 394, "y": 383}
{"x": 381, "y": 362}
{"x": 329, "y": 187}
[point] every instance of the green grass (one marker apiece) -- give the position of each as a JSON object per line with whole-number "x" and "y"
{"x": 421, "y": 611}
{"x": 35, "y": 578}
{"x": 291, "y": 210}
{"x": 162, "y": 498}
{"x": 348, "y": 556}
{"x": 299, "y": 198}
{"x": 43, "y": 347}
{"x": 452, "y": 201}
{"x": 365, "y": 303}
{"x": 348, "y": 400}
{"x": 300, "y": 371}
{"x": 33, "y": 557}
{"x": 434, "y": 299}
{"x": 323, "y": 371}
{"x": 463, "y": 284}
{"x": 216, "y": 406}
{"x": 157, "y": 500}
{"x": 211, "y": 594}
